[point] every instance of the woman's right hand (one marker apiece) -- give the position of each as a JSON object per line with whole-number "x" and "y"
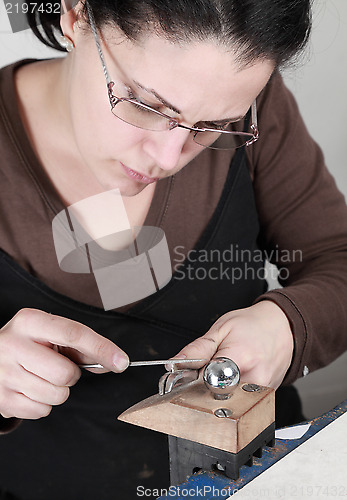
{"x": 33, "y": 375}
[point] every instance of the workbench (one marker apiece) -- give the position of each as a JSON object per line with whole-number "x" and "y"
{"x": 314, "y": 466}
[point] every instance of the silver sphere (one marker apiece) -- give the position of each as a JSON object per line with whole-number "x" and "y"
{"x": 220, "y": 376}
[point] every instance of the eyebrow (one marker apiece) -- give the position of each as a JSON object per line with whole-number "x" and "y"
{"x": 173, "y": 108}
{"x": 157, "y": 96}
{"x": 225, "y": 120}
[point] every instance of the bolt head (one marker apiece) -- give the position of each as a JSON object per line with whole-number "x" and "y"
{"x": 251, "y": 387}
{"x": 223, "y": 412}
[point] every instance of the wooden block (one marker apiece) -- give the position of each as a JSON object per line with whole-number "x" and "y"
{"x": 188, "y": 413}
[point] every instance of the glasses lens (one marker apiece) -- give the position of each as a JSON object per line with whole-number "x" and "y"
{"x": 223, "y": 140}
{"x": 140, "y": 116}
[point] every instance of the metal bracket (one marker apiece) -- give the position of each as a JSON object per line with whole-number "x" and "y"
{"x": 176, "y": 378}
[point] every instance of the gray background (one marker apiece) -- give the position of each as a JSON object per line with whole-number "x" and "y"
{"x": 319, "y": 82}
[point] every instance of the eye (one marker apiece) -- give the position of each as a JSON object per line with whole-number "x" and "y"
{"x": 131, "y": 95}
{"x": 220, "y": 125}
{"x": 216, "y": 126}
{"x": 142, "y": 109}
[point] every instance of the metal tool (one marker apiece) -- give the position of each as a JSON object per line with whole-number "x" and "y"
{"x": 175, "y": 378}
{"x": 169, "y": 362}
{"x": 221, "y": 376}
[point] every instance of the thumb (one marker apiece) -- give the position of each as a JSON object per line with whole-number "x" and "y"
{"x": 202, "y": 348}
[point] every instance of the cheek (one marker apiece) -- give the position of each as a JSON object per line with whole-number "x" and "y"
{"x": 97, "y": 131}
{"x": 189, "y": 152}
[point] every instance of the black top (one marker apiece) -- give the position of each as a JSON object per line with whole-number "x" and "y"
{"x": 80, "y": 450}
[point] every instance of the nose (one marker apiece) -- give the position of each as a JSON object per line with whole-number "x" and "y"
{"x": 165, "y": 148}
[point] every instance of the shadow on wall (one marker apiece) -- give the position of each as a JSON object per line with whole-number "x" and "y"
{"x": 324, "y": 389}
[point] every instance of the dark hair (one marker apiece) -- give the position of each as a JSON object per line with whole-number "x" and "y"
{"x": 270, "y": 29}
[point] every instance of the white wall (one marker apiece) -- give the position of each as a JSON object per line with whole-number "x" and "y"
{"x": 320, "y": 85}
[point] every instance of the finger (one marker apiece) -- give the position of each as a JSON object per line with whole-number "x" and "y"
{"x": 207, "y": 345}
{"x": 79, "y": 359}
{"x": 19, "y": 406}
{"x": 201, "y": 348}
{"x": 41, "y": 391}
{"x": 233, "y": 354}
{"x": 68, "y": 333}
{"x": 47, "y": 364}
{"x": 259, "y": 376}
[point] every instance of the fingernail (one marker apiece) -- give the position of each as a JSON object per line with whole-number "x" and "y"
{"x": 120, "y": 362}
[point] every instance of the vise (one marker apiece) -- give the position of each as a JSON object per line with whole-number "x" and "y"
{"x": 213, "y": 422}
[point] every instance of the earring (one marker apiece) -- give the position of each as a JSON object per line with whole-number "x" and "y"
{"x": 66, "y": 43}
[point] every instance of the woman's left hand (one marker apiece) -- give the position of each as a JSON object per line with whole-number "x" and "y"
{"x": 259, "y": 339}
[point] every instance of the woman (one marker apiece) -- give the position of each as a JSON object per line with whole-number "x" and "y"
{"x": 186, "y": 82}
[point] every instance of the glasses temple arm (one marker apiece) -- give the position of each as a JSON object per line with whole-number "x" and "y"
{"x": 97, "y": 41}
{"x": 254, "y": 119}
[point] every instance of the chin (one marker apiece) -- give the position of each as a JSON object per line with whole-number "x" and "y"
{"x": 132, "y": 191}
{"x": 125, "y": 188}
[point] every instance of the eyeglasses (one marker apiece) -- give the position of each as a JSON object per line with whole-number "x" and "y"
{"x": 134, "y": 112}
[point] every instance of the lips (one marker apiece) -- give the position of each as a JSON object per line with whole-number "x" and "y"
{"x": 144, "y": 179}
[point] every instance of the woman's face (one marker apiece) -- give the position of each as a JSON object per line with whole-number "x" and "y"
{"x": 200, "y": 80}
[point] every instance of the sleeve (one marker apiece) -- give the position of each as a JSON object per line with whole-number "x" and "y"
{"x": 303, "y": 230}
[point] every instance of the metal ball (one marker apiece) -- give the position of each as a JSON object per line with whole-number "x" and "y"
{"x": 220, "y": 376}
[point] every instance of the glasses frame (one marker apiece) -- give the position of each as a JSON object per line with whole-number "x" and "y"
{"x": 172, "y": 122}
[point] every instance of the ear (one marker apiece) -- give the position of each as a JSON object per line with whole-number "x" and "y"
{"x": 71, "y": 17}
